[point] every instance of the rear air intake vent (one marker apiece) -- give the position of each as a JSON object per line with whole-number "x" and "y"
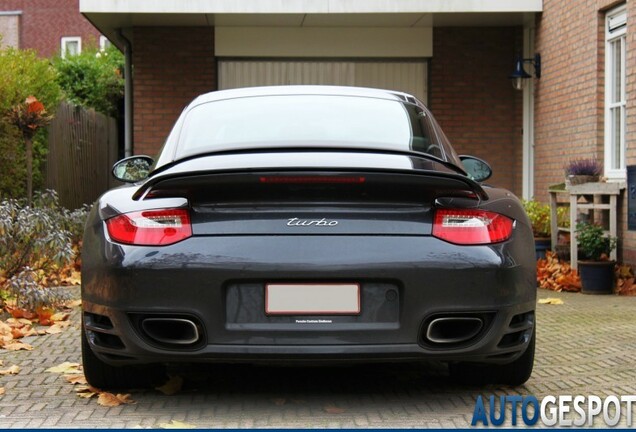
{"x": 100, "y": 331}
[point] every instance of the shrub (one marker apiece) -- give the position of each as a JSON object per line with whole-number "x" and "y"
{"x": 539, "y": 215}
{"x": 36, "y": 242}
{"x": 23, "y": 74}
{"x": 31, "y": 296}
{"x": 31, "y": 237}
{"x": 71, "y": 221}
{"x": 93, "y": 79}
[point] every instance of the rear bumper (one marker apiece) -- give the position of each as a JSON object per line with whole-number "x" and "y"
{"x": 218, "y": 283}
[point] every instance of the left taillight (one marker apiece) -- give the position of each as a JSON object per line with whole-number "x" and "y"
{"x": 471, "y": 227}
{"x": 150, "y": 227}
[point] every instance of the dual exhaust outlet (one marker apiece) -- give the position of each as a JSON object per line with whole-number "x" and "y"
{"x": 183, "y": 331}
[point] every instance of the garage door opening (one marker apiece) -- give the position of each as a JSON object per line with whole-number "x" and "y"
{"x": 409, "y": 76}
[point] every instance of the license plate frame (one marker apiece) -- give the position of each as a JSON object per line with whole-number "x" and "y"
{"x": 312, "y": 298}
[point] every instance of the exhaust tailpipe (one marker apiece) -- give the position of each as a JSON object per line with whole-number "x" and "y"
{"x": 452, "y": 330}
{"x": 173, "y": 331}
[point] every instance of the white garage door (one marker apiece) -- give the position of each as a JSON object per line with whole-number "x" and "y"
{"x": 406, "y": 76}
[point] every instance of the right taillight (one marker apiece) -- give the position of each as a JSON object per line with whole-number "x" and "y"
{"x": 150, "y": 227}
{"x": 471, "y": 227}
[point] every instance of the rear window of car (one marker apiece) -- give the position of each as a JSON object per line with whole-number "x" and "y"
{"x": 305, "y": 120}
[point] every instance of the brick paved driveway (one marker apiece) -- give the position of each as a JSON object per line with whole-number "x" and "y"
{"x": 585, "y": 346}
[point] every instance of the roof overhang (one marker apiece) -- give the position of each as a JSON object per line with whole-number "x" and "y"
{"x": 112, "y": 16}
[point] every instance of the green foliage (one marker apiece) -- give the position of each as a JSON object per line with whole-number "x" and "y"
{"x": 13, "y": 163}
{"x": 539, "y": 214}
{"x": 23, "y": 74}
{"x": 93, "y": 79}
{"x": 592, "y": 241}
{"x": 35, "y": 242}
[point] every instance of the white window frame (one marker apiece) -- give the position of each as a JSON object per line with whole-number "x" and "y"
{"x": 617, "y": 18}
{"x": 103, "y": 43}
{"x": 66, "y": 39}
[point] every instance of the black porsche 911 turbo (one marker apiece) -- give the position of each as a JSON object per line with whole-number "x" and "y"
{"x": 307, "y": 224}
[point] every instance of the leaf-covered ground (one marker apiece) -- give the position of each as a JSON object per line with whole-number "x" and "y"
{"x": 557, "y": 275}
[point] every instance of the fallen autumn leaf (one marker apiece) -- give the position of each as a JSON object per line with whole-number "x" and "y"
{"x": 332, "y": 409}
{"x": 551, "y": 301}
{"x": 172, "y": 386}
{"x": 110, "y": 400}
{"x": 13, "y": 370}
{"x": 176, "y": 424}
{"x": 66, "y": 368}
{"x": 17, "y": 346}
{"x": 76, "y": 379}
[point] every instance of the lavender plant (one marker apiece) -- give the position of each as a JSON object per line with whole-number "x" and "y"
{"x": 584, "y": 166}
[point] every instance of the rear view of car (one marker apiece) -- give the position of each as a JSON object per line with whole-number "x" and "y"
{"x": 294, "y": 224}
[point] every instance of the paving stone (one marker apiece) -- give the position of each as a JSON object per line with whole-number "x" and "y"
{"x": 585, "y": 346}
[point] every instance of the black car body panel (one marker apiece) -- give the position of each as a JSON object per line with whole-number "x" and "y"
{"x": 307, "y": 215}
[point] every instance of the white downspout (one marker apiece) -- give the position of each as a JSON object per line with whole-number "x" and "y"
{"x": 128, "y": 117}
{"x": 527, "y": 189}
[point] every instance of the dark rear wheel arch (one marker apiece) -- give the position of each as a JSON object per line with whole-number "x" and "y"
{"x": 104, "y": 376}
{"x": 514, "y": 374}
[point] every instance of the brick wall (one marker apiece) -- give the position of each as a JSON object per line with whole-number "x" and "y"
{"x": 43, "y": 23}
{"x": 473, "y": 99}
{"x": 172, "y": 65}
{"x": 570, "y": 96}
{"x": 629, "y": 237}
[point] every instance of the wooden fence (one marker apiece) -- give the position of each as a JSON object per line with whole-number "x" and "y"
{"x": 82, "y": 149}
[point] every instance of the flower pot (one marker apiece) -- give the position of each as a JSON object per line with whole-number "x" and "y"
{"x": 597, "y": 277}
{"x": 580, "y": 179}
{"x": 541, "y": 245}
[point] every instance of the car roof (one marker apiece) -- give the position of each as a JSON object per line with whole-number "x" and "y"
{"x": 287, "y": 90}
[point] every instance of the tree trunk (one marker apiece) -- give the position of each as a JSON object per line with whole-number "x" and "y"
{"x": 29, "y": 167}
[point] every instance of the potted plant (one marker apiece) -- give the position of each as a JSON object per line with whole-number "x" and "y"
{"x": 539, "y": 215}
{"x": 595, "y": 267}
{"x": 586, "y": 170}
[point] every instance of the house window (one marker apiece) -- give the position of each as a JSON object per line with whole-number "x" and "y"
{"x": 71, "y": 46}
{"x": 615, "y": 99}
{"x": 103, "y": 43}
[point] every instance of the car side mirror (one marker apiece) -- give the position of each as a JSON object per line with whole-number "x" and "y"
{"x": 132, "y": 169}
{"x": 476, "y": 168}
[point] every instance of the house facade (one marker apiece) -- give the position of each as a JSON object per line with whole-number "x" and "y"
{"x": 456, "y": 56}
{"x": 47, "y": 26}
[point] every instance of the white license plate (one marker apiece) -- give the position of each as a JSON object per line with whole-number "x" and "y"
{"x": 312, "y": 299}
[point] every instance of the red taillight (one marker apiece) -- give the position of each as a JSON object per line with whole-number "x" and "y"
{"x": 150, "y": 227}
{"x": 471, "y": 227}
